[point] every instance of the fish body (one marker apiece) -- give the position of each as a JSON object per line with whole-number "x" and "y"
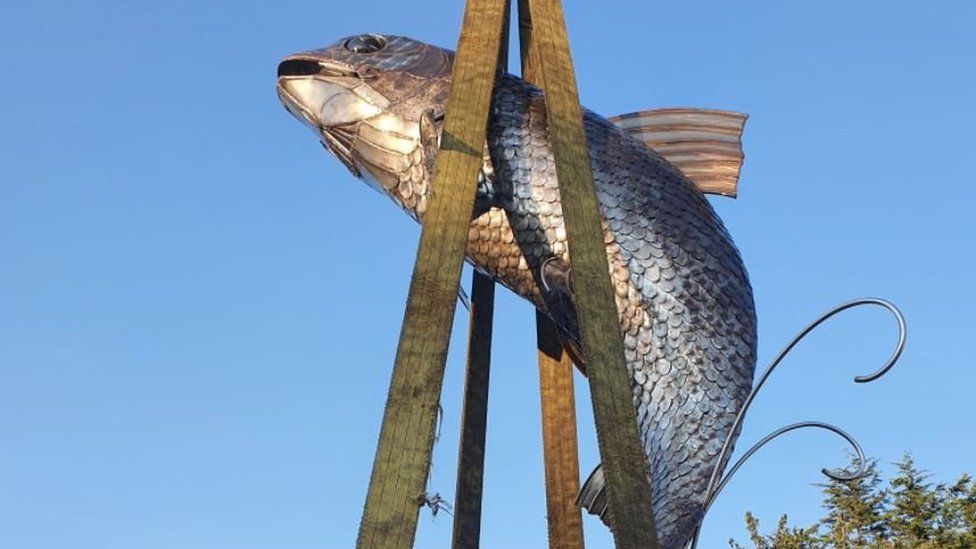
{"x": 682, "y": 293}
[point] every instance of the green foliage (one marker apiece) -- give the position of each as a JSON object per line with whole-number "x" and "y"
{"x": 909, "y": 512}
{"x": 785, "y": 536}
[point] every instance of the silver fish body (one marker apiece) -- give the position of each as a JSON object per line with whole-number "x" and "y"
{"x": 683, "y": 296}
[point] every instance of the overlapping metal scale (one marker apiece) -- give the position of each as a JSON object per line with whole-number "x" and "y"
{"x": 705, "y": 144}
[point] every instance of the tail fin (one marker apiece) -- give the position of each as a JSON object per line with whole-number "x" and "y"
{"x": 593, "y": 495}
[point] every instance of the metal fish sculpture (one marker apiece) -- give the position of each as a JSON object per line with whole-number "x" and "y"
{"x": 685, "y": 304}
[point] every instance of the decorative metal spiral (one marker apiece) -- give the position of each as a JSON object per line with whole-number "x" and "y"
{"x": 717, "y": 483}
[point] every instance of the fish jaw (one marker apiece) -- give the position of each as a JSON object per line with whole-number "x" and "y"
{"x": 332, "y": 100}
{"x": 359, "y": 128}
{"x": 323, "y": 102}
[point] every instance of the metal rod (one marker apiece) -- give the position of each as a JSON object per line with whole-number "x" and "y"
{"x": 717, "y": 482}
{"x": 889, "y": 363}
{"x": 833, "y": 474}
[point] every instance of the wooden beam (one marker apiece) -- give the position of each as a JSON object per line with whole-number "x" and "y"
{"x": 474, "y": 410}
{"x": 397, "y": 486}
{"x": 559, "y": 443}
{"x": 558, "y": 438}
{"x": 628, "y": 490}
{"x": 474, "y": 417}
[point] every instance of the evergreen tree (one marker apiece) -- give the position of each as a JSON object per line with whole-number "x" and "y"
{"x": 913, "y": 514}
{"x": 785, "y": 536}
{"x": 910, "y": 512}
{"x": 957, "y": 514}
{"x": 854, "y": 511}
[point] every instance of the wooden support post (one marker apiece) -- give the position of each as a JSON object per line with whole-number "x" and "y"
{"x": 558, "y": 438}
{"x": 474, "y": 417}
{"x": 397, "y": 486}
{"x": 474, "y": 410}
{"x": 559, "y": 445}
{"x": 628, "y": 491}
{"x": 402, "y": 464}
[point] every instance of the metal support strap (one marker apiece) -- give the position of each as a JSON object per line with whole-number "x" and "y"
{"x": 402, "y": 462}
{"x": 625, "y": 471}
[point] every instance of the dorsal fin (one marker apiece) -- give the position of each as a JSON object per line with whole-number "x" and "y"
{"x": 705, "y": 144}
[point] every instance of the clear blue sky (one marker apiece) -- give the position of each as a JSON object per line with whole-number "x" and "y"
{"x": 199, "y": 308}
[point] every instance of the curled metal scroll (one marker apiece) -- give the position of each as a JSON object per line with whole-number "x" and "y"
{"x": 717, "y": 483}
{"x": 835, "y": 474}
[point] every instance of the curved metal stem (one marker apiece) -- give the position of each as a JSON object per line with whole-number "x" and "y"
{"x": 715, "y": 484}
{"x": 895, "y": 355}
{"x": 835, "y": 474}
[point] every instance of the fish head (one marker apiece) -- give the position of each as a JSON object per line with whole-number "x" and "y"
{"x": 366, "y": 96}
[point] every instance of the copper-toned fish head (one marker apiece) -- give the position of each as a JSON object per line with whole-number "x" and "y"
{"x": 366, "y": 96}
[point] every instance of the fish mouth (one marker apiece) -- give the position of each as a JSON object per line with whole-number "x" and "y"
{"x": 307, "y": 65}
{"x": 322, "y": 93}
{"x": 332, "y": 98}
{"x": 295, "y": 107}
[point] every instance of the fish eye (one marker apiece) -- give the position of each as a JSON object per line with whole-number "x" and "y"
{"x": 366, "y": 43}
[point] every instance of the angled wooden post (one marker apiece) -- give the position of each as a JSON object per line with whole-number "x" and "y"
{"x": 559, "y": 438}
{"x": 474, "y": 409}
{"x": 474, "y": 417}
{"x": 628, "y": 490}
{"x": 402, "y": 463}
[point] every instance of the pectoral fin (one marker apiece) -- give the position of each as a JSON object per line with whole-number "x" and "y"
{"x": 705, "y": 144}
{"x": 556, "y": 277}
{"x": 429, "y": 139}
